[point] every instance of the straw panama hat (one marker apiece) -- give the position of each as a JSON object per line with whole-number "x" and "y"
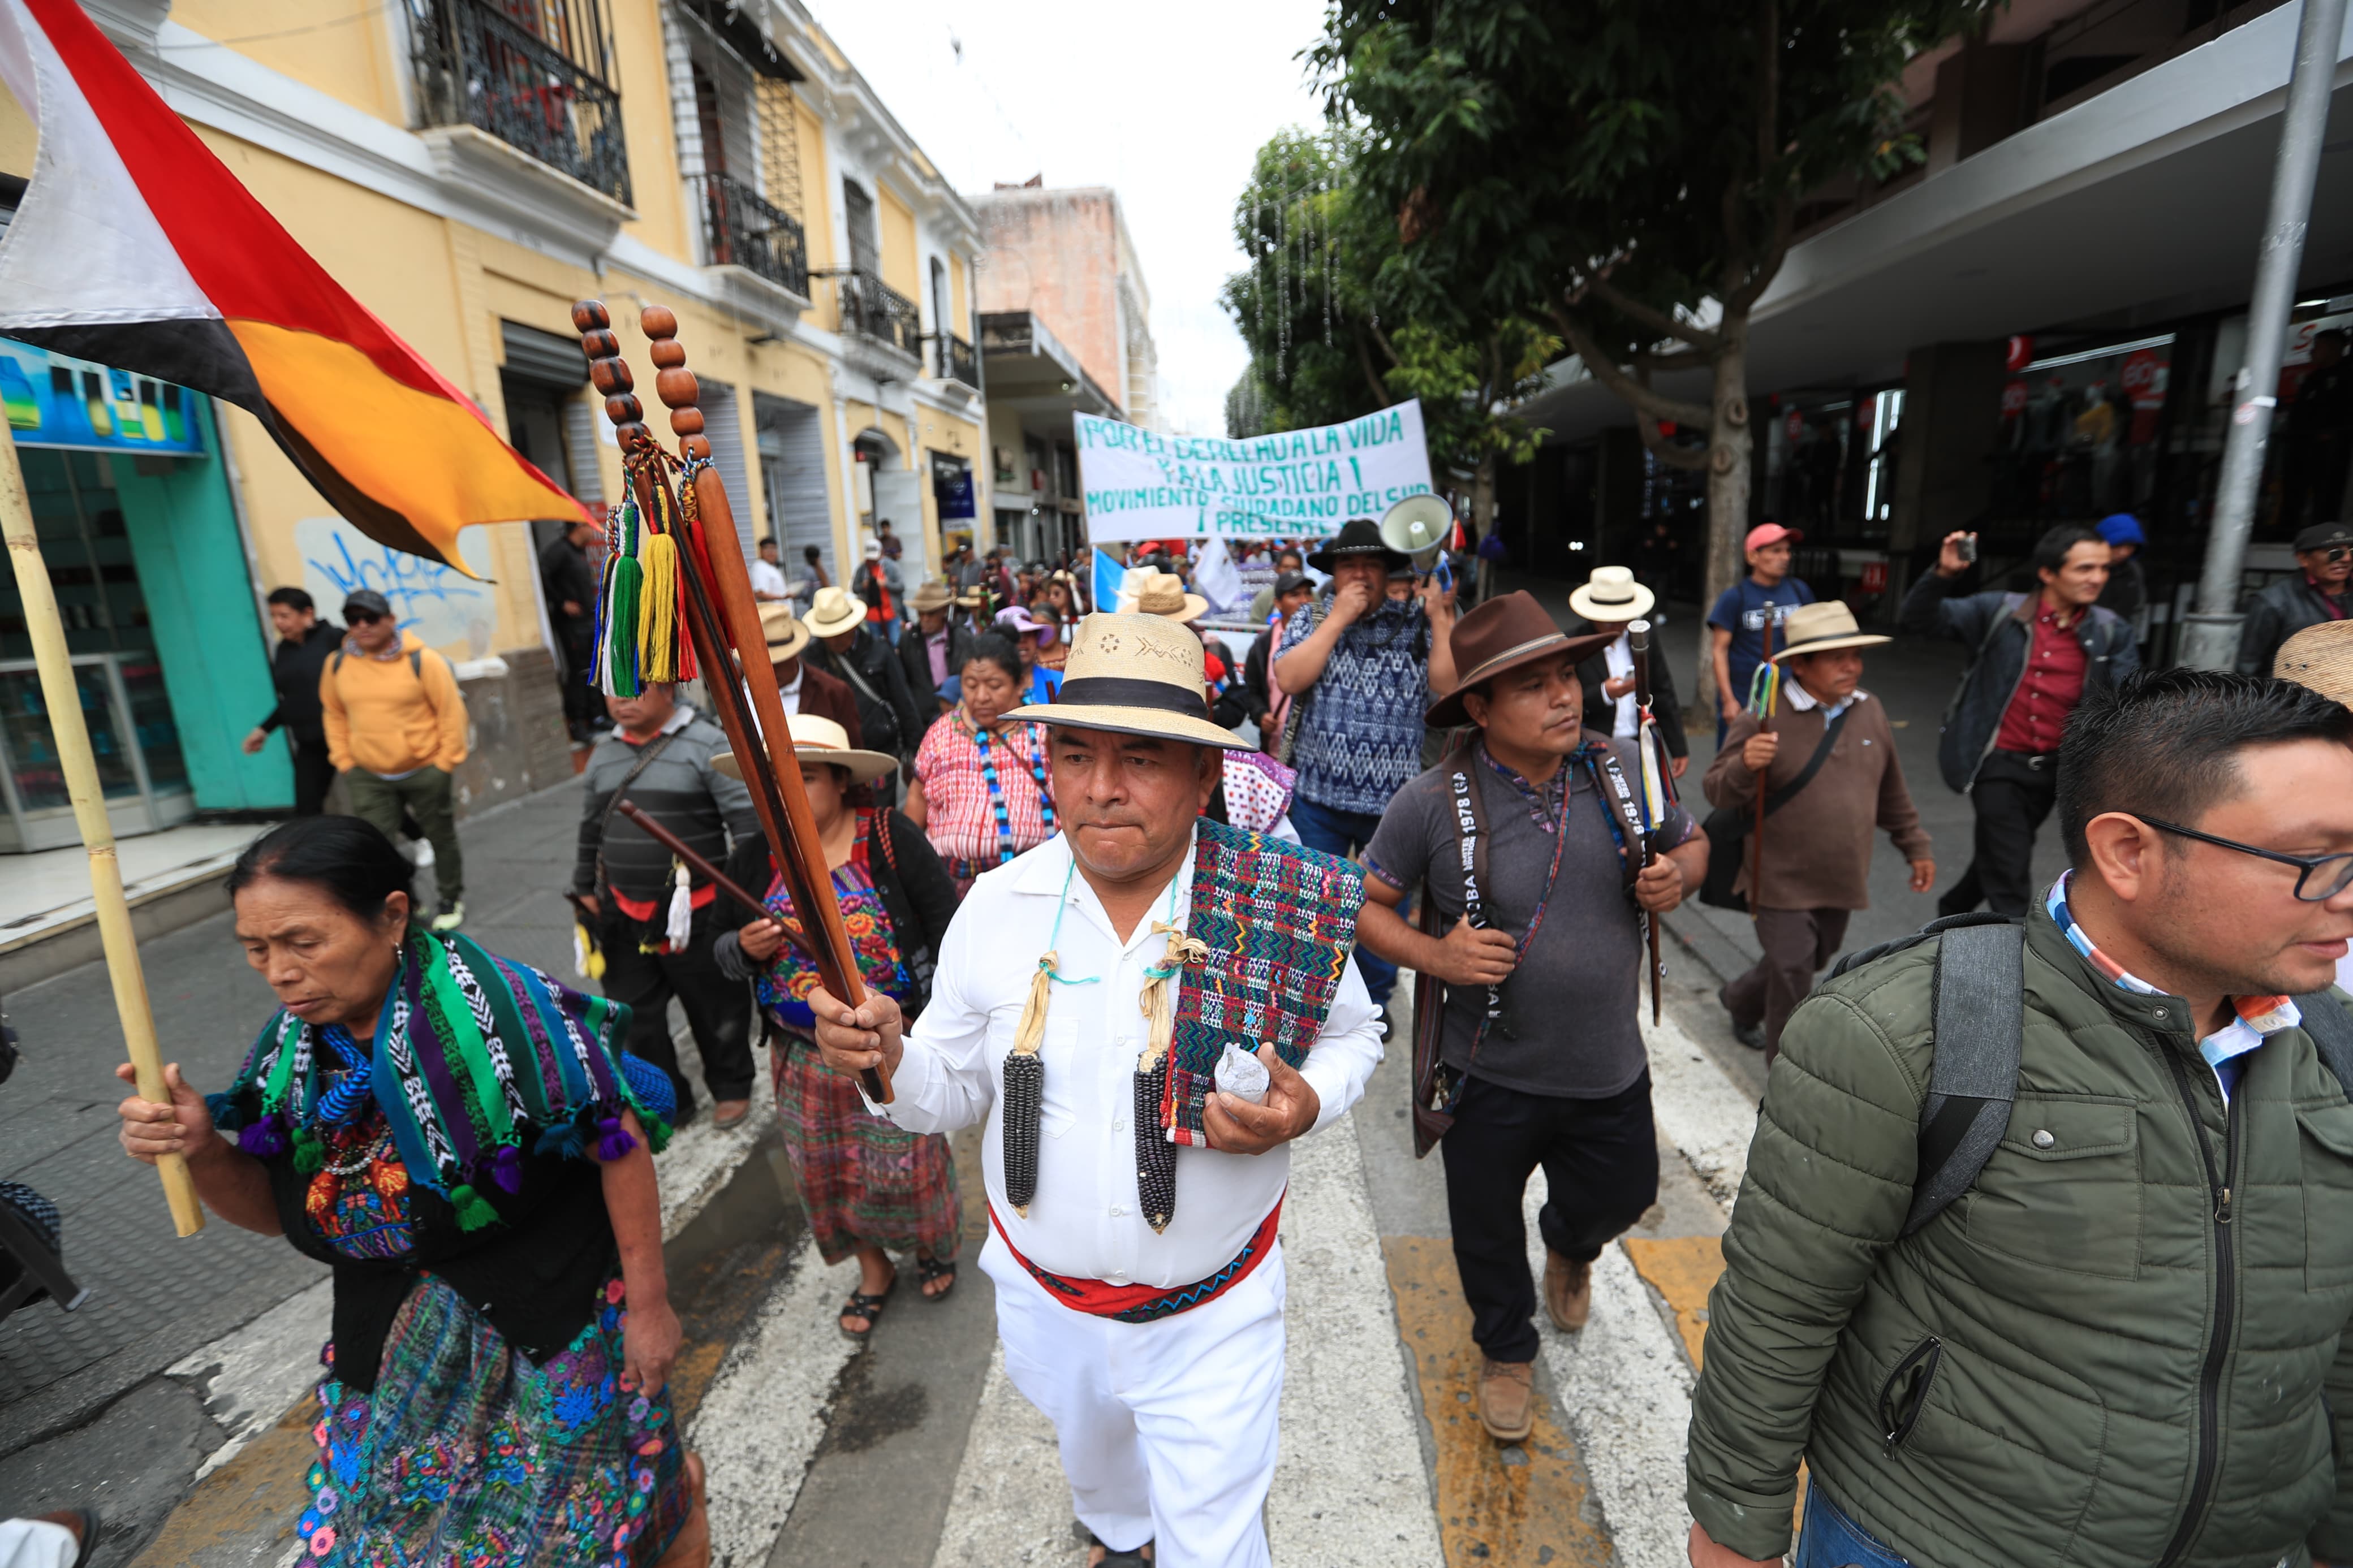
{"x": 834, "y": 611}
{"x": 1818, "y": 628}
{"x": 932, "y": 596}
{"x": 1163, "y": 594}
{"x": 821, "y": 740}
{"x": 1134, "y": 675}
{"x": 1613, "y": 594}
{"x": 2320, "y": 658}
{"x": 782, "y": 629}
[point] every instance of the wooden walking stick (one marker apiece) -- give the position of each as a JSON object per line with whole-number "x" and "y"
{"x": 724, "y": 623}
{"x": 62, "y": 697}
{"x": 713, "y": 874}
{"x": 1637, "y": 642}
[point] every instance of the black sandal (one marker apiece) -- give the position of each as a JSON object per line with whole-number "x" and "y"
{"x": 929, "y": 1268}
{"x": 861, "y": 1305}
{"x": 1133, "y": 1557}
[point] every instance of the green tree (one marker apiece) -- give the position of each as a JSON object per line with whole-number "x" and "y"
{"x": 1322, "y": 350}
{"x": 1626, "y": 172}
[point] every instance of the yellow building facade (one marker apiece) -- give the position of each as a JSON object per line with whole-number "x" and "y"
{"x": 469, "y": 168}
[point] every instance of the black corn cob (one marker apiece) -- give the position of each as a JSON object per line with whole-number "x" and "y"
{"x": 1155, "y": 1157}
{"x": 1025, "y": 1101}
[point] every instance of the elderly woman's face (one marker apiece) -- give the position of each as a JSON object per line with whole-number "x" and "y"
{"x": 327, "y": 964}
{"x": 988, "y": 691}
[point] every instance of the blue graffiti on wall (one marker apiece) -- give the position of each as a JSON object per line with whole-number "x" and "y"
{"x": 440, "y": 603}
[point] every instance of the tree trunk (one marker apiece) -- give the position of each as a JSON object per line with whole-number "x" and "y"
{"x": 1731, "y": 443}
{"x": 1482, "y": 514}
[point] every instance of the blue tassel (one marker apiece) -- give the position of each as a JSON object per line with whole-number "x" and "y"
{"x": 506, "y": 1169}
{"x": 616, "y": 1141}
{"x": 264, "y": 1139}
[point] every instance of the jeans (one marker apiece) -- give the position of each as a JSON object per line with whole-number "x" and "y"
{"x": 1345, "y": 833}
{"x": 1829, "y": 1538}
{"x": 426, "y": 795}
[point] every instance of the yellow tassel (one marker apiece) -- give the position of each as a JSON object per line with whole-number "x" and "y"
{"x": 658, "y": 607}
{"x": 1030, "y": 1032}
{"x": 1159, "y": 1005}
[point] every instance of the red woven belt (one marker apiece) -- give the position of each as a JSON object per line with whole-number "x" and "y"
{"x": 1143, "y": 1303}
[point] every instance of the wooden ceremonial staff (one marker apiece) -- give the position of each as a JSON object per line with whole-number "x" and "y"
{"x": 711, "y": 873}
{"x": 1637, "y": 642}
{"x": 723, "y": 622}
{"x": 1764, "y": 723}
{"x": 62, "y": 698}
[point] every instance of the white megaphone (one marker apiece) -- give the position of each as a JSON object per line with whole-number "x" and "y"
{"x": 1417, "y": 526}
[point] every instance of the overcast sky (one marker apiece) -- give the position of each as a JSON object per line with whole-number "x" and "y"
{"x": 1165, "y": 105}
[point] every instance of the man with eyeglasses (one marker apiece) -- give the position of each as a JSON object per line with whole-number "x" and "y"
{"x": 2313, "y": 594}
{"x": 2122, "y": 1342}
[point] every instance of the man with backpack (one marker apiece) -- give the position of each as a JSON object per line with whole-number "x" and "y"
{"x": 2033, "y": 658}
{"x": 1829, "y": 771}
{"x": 396, "y": 725}
{"x": 2041, "y": 1255}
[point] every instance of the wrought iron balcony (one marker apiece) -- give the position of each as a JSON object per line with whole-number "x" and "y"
{"x": 526, "y": 72}
{"x": 953, "y": 360}
{"x": 873, "y": 309}
{"x": 743, "y": 229}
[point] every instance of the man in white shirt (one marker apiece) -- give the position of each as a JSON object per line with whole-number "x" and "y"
{"x": 1132, "y": 1199}
{"x": 1607, "y": 602}
{"x": 768, "y": 586}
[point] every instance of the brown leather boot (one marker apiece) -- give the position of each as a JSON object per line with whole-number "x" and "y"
{"x": 1567, "y": 1291}
{"x": 1507, "y": 1399}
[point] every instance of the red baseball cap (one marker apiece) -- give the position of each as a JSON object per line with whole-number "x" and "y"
{"x": 1769, "y": 533}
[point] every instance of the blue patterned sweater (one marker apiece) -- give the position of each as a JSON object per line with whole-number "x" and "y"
{"x": 1359, "y": 739}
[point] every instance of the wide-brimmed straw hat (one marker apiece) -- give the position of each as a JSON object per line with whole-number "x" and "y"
{"x": 834, "y": 611}
{"x": 1500, "y": 634}
{"x": 1613, "y": 594}
{"x": 821, "y": 740}
{"x": 785, "y": 634}
{"x": 2321, "y": 657}
{"x": 1134, "y": 675}
{"x": 931, "y": 595}
{"x": 1357, "y": 536}
{"x": 1163, "y": 594}
{"x": 1818, "y": 628}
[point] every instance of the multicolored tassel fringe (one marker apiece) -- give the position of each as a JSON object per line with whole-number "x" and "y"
{"x": 640, "y": 605}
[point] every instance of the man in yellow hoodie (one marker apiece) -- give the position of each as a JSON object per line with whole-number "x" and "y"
{"x": 396, "y": 731}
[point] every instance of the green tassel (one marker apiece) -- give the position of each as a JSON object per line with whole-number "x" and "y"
{"x": 474, "y": 1211}
{"x": 309, "y": 1157}
{"x": 628, "y": 580}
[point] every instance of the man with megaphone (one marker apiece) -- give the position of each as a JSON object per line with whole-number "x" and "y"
{"x": 1360, "y": 667}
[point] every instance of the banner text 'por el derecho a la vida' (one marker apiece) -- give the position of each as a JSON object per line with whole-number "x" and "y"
{"x": 1294, "y": 484}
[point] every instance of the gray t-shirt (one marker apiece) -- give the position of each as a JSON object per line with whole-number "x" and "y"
{"x": 1571, "y": 1003}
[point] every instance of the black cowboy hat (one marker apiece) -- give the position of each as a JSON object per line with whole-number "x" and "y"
{"x": 1358, "y": 536}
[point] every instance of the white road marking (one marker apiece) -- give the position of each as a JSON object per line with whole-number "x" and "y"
{"x": 1701, "y": 1111}
{"x": 701, "y": 1158}
{"x": 1011, "y": 1507}
{"x": 256, "y": 1373}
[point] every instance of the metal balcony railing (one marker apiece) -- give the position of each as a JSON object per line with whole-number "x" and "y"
{"x": 953, "y": 360}
{"x": 482, "y": 63}
{"x": 873, "y": 309}
{"x": 743, "y": 229}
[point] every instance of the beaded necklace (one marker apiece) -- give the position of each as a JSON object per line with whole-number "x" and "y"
{"x": 1005, "y": 850}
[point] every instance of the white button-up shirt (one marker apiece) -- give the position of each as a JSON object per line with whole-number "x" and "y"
{"x": 1083, "y": 1221}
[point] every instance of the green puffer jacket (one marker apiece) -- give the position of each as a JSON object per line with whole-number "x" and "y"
{"x": 2112, "y": 1350}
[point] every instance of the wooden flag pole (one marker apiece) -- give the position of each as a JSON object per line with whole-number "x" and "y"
{"x": 63, "y": 700}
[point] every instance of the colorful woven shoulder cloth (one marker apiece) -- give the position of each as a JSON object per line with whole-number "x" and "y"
{"x": 473, "y": 1056}
{"x": 1279, "y": 921}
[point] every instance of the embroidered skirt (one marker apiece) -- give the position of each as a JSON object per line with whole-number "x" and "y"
{"x": 467, "y": 1455}
{"x": 861, "y": 1179}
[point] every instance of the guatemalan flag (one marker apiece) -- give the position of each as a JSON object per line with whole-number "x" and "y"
{"x": 134, "y": 247}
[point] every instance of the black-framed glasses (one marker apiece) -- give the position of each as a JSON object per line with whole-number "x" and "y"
{"x": 2335, "y": 872}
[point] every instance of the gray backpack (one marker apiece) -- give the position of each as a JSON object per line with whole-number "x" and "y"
{"x": 1980, "y": 1023}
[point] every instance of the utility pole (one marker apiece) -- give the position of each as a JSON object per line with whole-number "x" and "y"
{"x": 2210, "y": 639}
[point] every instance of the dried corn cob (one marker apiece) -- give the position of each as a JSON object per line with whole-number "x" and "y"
{"x": 1025, "y": 1098}
{"x": 1155, "y": 1157}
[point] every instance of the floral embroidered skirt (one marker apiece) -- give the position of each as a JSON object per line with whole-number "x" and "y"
{"x": 470, "y": 1456}
{"x": 861, "y": 1179}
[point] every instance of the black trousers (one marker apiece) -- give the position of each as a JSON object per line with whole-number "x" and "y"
{"x": 718, "y": 1010}
{"x": 582, "y": 703}
{"x": 1601, "y": 1160}
{"x": 315, "y": 775}
{"x": 2012, "y": 795}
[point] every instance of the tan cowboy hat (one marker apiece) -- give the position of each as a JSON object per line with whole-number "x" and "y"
{"x": 970, "y": 599}
{"x": 786, "y": 637}
{"x": 2321, "y": 657}
{"x": 1818, "y": 628}
{"x": 1163, "y": 594}
{"x": 1134, "y": 675}
{"x": 1611, "y": 594}
{"x": 932, "y": 596}
{"x": 821, "y": 740}
{"x": 834, "y": 611}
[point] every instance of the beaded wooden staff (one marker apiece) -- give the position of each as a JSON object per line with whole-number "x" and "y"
{"x": 722, "y": 621}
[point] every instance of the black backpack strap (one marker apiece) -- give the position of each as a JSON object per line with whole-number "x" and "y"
{"x": 1980, "y": 1023}
{"x": 2332, "y": 1035}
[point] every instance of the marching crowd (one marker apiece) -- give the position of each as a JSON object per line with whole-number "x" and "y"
{"x": 2045, "y": 1277}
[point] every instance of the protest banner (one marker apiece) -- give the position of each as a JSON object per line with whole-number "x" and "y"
{"x": 1294, "y": 484}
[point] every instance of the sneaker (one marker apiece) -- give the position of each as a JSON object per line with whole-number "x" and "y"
{"x": 421, "y": 854}
{"x": 451, "y": 917}
{"x": 1507, "y": 1400}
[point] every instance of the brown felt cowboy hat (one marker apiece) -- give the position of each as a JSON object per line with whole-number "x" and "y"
{"x": 817, "y": 739}
{"x": 1500, "y": 634}
{"x": 2319, "y": 657}
{"x": 1134, "y": 675}
{"x": 1818, "y": 628}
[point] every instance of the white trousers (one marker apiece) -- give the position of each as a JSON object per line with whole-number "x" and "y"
{"x": 36, "y": 1543}
{"x": 1167, "y": 1428}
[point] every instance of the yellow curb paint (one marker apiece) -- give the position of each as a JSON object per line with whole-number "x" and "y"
{"x": 1496, "y": 1504}
{"x": 1683, "y": 1269}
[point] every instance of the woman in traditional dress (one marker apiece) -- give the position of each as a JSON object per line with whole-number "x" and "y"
{"x": 980, "y": 790}
{"x": 462, "y": 1142}
{"x": 865, "y": 1184}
